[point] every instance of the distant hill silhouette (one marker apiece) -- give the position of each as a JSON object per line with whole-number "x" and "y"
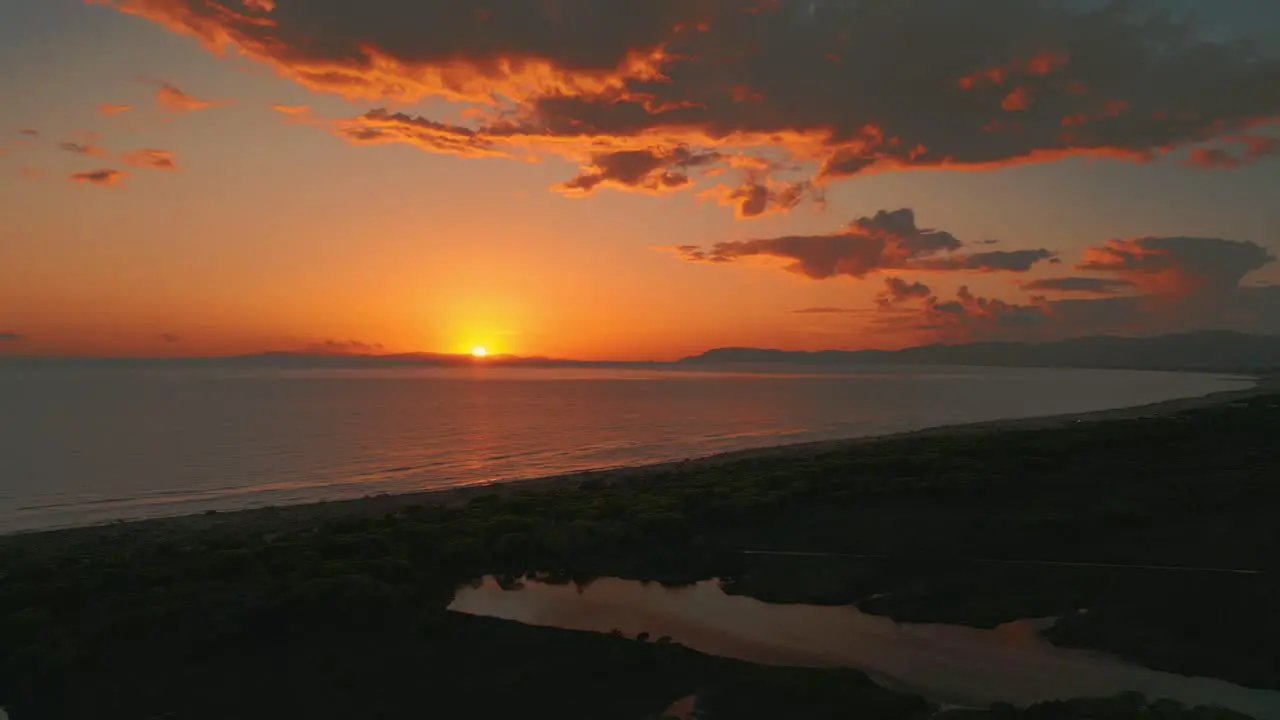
{"x": 1208, "y": 350}
{"x": 303, "y": 360}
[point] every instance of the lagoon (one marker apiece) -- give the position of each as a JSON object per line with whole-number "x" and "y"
{"x": 945, "y": 663}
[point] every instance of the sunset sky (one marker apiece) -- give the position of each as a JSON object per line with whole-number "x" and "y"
{"x": 632, "y": 178}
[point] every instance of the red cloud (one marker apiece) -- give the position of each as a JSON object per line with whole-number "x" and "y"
{"x": 1254, "y": 149}
{"x": 1158, "y": 284}
{"x": 585, "y": 79}
{"x": 887, "y": 241}
{"x": 104, "y": 177}
{"x": 1042, "y": 63}
{"x": 113, "y": 108}
{"x": 897, "y": 290}
{"x": 81, "y": 148}
{"x": 173, "y": 98}
{"x": 649, "y": 170}
{"x": 154, "y": 159}
{"x": 292, "y": 110}
{"x": 757, "y": 197}
{"x": 1178, "y": 266}
{"x": 1083, "y": 285}
{"x": 382, "y": 126}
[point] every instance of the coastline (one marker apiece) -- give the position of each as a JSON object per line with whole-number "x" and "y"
{"x": 271, "y": 518}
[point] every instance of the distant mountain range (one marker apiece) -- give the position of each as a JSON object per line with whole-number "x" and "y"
{"x": 1209, "y": 350}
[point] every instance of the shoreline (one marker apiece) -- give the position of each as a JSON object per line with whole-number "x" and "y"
{"x": 271, "y": 517}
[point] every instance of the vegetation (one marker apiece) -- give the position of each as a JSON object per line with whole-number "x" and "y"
{"x": 345, "y": 617}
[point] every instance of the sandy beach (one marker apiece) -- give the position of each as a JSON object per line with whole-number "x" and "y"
{"x": 279, "y": 517}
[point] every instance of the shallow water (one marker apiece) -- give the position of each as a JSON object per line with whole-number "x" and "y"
{"x": 947, "y": 663}
{"x": 82, "y": 444}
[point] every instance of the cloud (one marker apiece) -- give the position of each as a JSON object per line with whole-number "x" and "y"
{"x": 105, "y": 177}
{"x": 292, "y": 110}
{"x": 969, "y": 317}
{"x": 29, "y": 132}
{"x": 887, "y": 241}
{"x": 828, "y": 311}
{"x": 993, "y": 261}
{"x": 1177, "y": 266}
{"x": 170, "y": 338}
{"x": 897, "y": 291}
{"x": 1254, "y": 148}
{"x": 81, "y": 148}
{"x": 757, "y": 197}
{"x": 154, "y": 159}
{"x": 966, "y": 318}
{"x": 382, "y": 126}
{"x": 173, "y": 98}
{"x": 11, "y": 337}
{"x": 652, "y": 170}
{"x": 344, "y": 347}
{"x": 1085, "y": 285}
{"x": 920, "y": 84}
{"x": 1144, "y": 285}
{"x": 110, "y": 109}
{"x": 30, "y": 173}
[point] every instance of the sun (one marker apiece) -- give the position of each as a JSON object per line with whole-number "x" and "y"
{"x": 479, "y": 351}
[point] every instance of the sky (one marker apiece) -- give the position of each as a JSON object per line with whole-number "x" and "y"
{"x": 633, "y": 179}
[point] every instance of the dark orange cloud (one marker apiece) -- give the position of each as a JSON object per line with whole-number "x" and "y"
{"x": 78, "y": 148}
{"x": 887, "y": 241}
{"x": 1178, "y": 266}
{"x": 1154, "y": 284}
{"x": 292, "y": 110}
{"x": 969, "y": 317}
{"x": 1253, "y": 149}
{"x": 344, "y": 347}
{"x": 912, "y": 84}
{"x": 1082, "y": 285}
{"x": 105, "y": 177}
{"x": 924, "y": 317}
{"x": 652, "y": 170}
{"x": 407, "y": 50}
{"x": 828, "y": 311}
{"x": 1040, "y": 64}
{"x": 172, "y": 97}
{"x": 897, "y": 291}
{"x": 154, "y": 159}
{"x": 991, "y": 261}
{"x": 383, "y": 126}
{"x": 113, "y": 108}
{"x": 758, "y": 197}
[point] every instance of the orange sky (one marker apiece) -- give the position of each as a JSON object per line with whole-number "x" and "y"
{"x": 173, "y": 184}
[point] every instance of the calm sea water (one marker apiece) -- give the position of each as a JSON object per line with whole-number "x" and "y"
{"x": 81, "y": 445}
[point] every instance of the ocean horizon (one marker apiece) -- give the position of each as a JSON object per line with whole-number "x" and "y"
{"x": 83, "y": 445}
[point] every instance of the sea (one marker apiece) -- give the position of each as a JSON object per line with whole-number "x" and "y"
{"x": 83, "y": 444}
